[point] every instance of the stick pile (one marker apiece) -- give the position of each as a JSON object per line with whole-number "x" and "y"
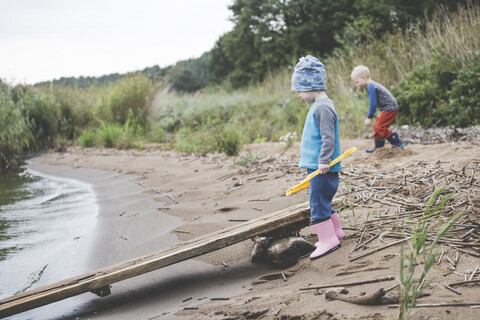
{"x": 439, "y": 135}
{"x": 395, "y": 200}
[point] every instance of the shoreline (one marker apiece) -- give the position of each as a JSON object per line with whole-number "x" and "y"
{"x": 129, "y": 225}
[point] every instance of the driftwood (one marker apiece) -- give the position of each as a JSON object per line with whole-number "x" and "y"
{"x": 98, "y": 281}
{"x": 433, "y": 305}
{"x": 378, "y": 249}
{"x": 464, "y": 282}
{"x": 386, "y": 278}
{"x": 379, "y": 297}
{"x": 373, "y": 299}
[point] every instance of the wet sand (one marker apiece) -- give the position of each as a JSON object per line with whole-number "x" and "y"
{"x": 133, "y": 221}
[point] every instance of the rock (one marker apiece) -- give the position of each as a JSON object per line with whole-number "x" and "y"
{"x": 282, "y": 253}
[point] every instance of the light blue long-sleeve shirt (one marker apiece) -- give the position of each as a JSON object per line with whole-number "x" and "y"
{"x": 320, "y": 138}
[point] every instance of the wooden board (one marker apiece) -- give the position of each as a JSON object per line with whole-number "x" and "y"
{"x": 99, "y": 281}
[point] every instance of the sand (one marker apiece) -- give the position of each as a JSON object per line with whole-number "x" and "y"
{"x": 152, "y": 199}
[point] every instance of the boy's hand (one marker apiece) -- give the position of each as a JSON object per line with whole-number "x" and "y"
{"x": 367, "y": 121}
{"x": 323, "y": 168}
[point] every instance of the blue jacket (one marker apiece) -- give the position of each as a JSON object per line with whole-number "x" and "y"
{"x": 320, "y": 138}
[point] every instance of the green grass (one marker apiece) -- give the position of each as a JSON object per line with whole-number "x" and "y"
{"x": 88, "y": 139}
{"x": 421, "y": 255}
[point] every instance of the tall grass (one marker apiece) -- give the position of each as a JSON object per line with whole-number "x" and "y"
{"x": 15, "y": 134}
{"x": 413, "y": 286}
{"x": 266, "y": 110}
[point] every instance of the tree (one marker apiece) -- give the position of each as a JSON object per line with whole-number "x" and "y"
{"x": 271, "y": 34}
{"x": 190, "y": 75}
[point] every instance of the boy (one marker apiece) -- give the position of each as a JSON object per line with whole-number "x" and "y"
{"x": 378, "y": 96}
{"x": 320, "y": 144}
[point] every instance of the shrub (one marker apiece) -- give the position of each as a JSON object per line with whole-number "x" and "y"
{"x": 246, "y": 159}
{"x": 464, "y": 102}
{"x": 423, "y": 93}
{"x": 157, "y": 134}
{"x": 202, "y": 141}
{"x": 15, "y": 134}
{"x": 128, "y": 94}
{"x": 132, "y": 133}
{"x": 42, "y": 114}
{"x": 75, "y": 109}
{"x": 88, "y": 138}
{"x": 109, "y": 134}
{"x": 228, "y": 141}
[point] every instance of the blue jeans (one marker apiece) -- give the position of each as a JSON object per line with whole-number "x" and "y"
{"x": 322, "y": 190}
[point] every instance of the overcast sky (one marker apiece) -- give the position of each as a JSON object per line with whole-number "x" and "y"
{"x": 47, "y": 39}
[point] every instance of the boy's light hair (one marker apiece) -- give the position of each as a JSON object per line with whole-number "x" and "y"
{"x": 360, "y": 71}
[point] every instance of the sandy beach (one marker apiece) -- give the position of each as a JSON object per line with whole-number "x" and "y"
{"x": 152, "y": 199}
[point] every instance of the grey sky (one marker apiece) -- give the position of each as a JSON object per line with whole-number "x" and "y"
{"x": 48, "y": 39}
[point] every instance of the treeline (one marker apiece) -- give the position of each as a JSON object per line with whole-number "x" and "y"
{"x": 272, "y": 34}
{"x": 185, "y": 76}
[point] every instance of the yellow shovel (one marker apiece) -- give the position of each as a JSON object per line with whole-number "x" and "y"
{"x": 305, "y": 183}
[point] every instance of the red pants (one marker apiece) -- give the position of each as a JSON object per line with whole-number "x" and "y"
{"x": 380, "y": 127}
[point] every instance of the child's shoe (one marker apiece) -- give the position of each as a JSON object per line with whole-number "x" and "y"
{"x": 336, "y": 226}
{"x": 395, "y": 140}
{"x": 327, "y": 239}
{"x": 378, "y": 144}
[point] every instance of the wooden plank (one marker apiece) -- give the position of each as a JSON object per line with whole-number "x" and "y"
{"x": 96, "y": 280}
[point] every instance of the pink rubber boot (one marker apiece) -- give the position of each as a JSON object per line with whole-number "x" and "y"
{"x": 327, "y": 239}
{"x": 336, "y": 225}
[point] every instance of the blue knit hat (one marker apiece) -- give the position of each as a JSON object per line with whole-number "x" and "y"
{"x": 309, "y": 75}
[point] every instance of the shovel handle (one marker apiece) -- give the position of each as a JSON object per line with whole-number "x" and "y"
{"x": 306, "y": 182}
{"x": 333, "y": 162}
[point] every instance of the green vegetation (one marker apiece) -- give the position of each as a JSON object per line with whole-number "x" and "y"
{"x": 14, "y": 132}
{"x": 412, "y": 287}
{"x": 246, "y": 159}
{"x": 231, "y": 96}
{"x": 272, "y": 34}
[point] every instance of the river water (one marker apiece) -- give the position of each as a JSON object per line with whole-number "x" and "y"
{"x": 43, "y": 220}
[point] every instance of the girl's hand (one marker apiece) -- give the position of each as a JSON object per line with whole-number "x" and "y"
{"x": 323, "y": 168}
{"x": 367, "y": 121}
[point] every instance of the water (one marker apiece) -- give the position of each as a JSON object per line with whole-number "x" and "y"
{"x": 43, "y": 221}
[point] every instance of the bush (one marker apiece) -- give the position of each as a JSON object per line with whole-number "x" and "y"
{"x": 88, "y": 138}
{"x": 15, "y": 134}
{"x": 440, "y": 93}
{"x": 207, "y": 140}
{"x": 132, "y": 133}
{"x": 75, "y": 109}
{"x": 109, "y": 134}
{"x": 42, "y": 114}
{"x": 464, "y": 103}
{"x": 202, "y": 141}
{"x": 228, "y": 141}
{"x": 157, "y": 134}
{"x": 129, "y": 94}
{"x": 423, "y": 94}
